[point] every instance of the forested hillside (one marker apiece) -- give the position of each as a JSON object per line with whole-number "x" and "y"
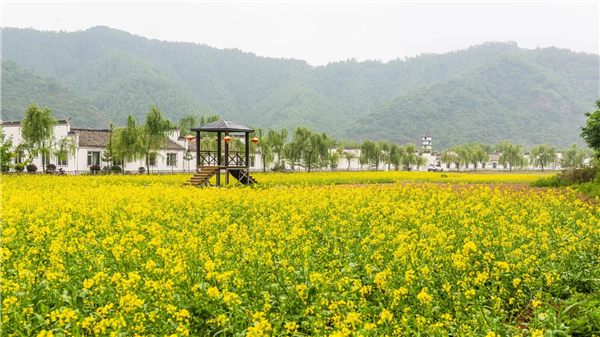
{"x": 20, "y": 88}
{"x": 486, "y": 92}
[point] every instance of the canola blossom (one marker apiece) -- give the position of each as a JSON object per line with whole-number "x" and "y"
{"x": 123, "y": 256}
{"x": 272, "y": 179}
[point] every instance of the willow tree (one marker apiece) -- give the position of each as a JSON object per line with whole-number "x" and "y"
{"x": 277, "y": 143}
{"x": 410, "y": 157}
{"x": 543, "y": 155}
{"x": 511, "y": 155}
{"x": 371, "y": 153}
{"x": 37, "y": 132}
{"x": 263, "y": 147}
{"x": 449, "y": 157}
{"x": 476, "y": 154}
{"x": 573, "y": 156}
{"x": 135, "y": 141}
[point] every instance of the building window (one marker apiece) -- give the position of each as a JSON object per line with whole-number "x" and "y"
{"x": 494, "y": 165}
{"x": 64, "y": 161}
{"x": 447, "y": 166}
{"x": 171, "y": 159}
{"x": 152, "y": 159}
{"x": 93, "y": 158}
{"x": 251, "y": 161}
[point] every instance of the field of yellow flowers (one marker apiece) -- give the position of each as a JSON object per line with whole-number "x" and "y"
{"x": 142, "y": 256}
{"x": 330, "y": 178}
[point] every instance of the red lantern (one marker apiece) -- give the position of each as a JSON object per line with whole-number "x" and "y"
{"x": 255, "y": 140}
{"x": 216, "y": 139}
{"x": 190, "y": 138}
{"x": 227, "y": 139}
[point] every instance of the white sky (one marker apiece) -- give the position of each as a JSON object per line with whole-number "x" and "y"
{"x": 326, "y": 32}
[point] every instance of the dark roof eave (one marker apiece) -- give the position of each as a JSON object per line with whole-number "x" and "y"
{"x": 221, "y": 130}
{"x": 222, "y": 126}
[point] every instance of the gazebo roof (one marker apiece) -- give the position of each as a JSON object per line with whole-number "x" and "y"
{"x": 222, "y": 125}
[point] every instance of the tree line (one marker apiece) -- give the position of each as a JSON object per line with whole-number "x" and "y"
{"x": 513, "y": 155}
{"x": 303, "y": 148}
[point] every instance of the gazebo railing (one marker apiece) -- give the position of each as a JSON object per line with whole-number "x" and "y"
{"x": 208, "y": 158}
{"x": 236, "y": 158}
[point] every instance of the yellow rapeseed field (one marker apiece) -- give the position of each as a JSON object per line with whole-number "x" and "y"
{"x": 143, "y": 256}
{"x": 328, "y": 178}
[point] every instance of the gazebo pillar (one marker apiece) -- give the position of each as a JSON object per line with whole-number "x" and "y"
{"x": 197, "y": 150}
{"x": 226, "y": 160}
{"x": 219, "y": 158}
{"x": 247, "y": 142}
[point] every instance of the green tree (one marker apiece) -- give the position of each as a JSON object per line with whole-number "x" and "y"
{"x": 37, "y": 131}
{"x": 6, "y": 155}
{"x": 65, "y": 148}
{"x": 277, "y": 142}
{"x": 186, "y": 123}
{"x": 334, "y": 157}
{"x": 156, "y": 133}
{"x": 410, "y": 157}
{"x": 136, "y": 142}
{"x": 263, "y": 147}
{"x": 128, "y": 140}
{"x": 395, "y": 155}
{"x": 591, "y": 131}
{"x": 187, "y": 157}
{"x": 449, "y": 157}
{"x": 511, "y": 155}
{"x": 109, "y": 154}
{"x": 573, "y": 156}
{"x": 349, "y": 155}
{"x": 477, "y": 154}
{"x": 371, "y": 153}
{"x": 543, "y": 155}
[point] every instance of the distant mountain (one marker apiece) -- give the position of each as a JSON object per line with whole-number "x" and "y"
{"x": 508, "y": 98}
{"x": 21, "y": 87}
{"x": 490, "y": 92}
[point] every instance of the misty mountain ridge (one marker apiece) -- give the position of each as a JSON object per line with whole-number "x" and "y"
{"x": 486, "y": 93}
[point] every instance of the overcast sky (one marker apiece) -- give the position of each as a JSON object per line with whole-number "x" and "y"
{"x": 326, "y": 32}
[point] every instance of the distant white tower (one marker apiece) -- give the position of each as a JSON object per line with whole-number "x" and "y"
{"x": 426, "y": 141}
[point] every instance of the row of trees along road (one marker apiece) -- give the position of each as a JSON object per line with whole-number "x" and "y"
{"x": 513, "y": 155}
{"x": 306, "y": 149}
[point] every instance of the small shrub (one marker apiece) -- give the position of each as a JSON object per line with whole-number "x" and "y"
{"x": 19, "y": 167}
{"x": 105, "y": 169}
{"x": 50, "y": 168}
{"x": 552, "y": 181}
{"x": 31, "y": 168}
{"x": 141, "y": 169}
{"x": 5, "y": 168}
{"x": 116, "y": 169}
{"x": 579, "y": 174}
{"x": 95, "y": 168}
{"x": 279, "y": 167}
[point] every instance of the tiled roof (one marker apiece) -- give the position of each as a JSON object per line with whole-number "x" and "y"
{"x": 99, "y": 138}
{"x": 19, "y": 122}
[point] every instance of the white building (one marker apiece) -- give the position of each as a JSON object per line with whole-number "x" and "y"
{"x": 426, "y": 141}
{"x": 91, "y": 145}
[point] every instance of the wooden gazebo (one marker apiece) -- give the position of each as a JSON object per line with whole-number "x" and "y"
{"x": 209, "y": 163}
